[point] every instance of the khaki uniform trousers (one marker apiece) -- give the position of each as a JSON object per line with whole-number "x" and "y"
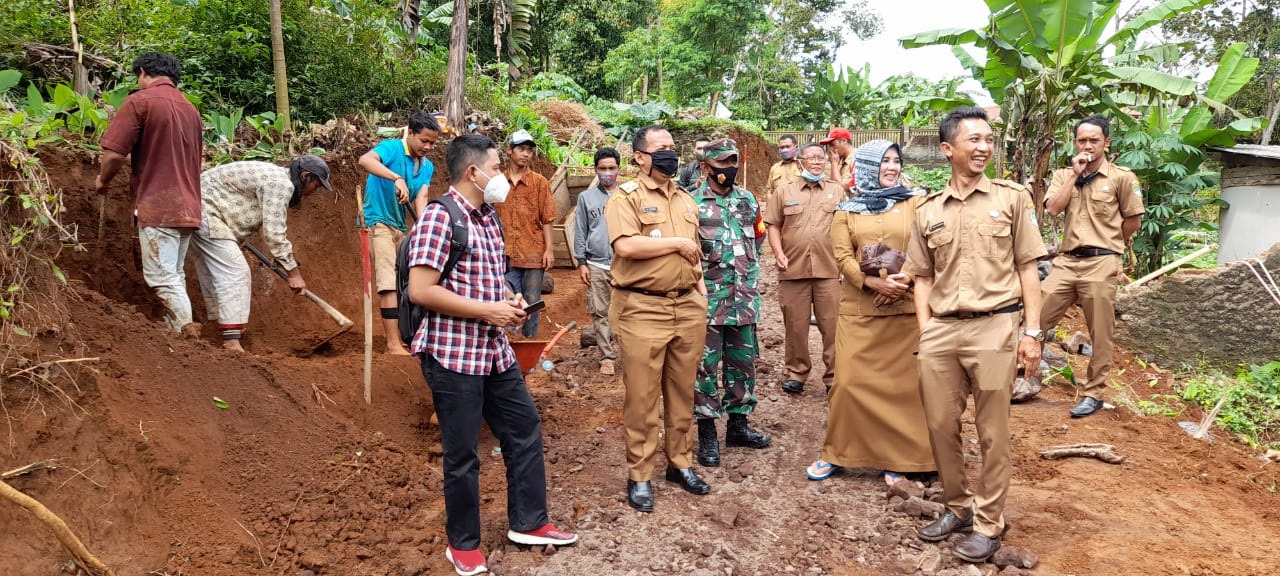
{"x": 599, "y": 292}
{"x": 1091, "y": 283}
{"x": 660, "y": 343}
{"x": 957, "y": 358}
{"x": 798, "y": 298}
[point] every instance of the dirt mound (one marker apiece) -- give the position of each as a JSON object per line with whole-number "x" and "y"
{"x": 566, "y": 120}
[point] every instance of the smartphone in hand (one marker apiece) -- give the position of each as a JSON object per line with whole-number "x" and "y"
{"x": 536, "y": 306}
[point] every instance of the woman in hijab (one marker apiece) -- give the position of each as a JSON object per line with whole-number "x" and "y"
{"x": 876, "y": 419}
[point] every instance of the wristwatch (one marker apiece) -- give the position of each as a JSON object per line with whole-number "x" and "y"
{"x": 1037, "y": 335}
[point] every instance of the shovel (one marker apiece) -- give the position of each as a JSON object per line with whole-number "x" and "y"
{"x": 344, "y": 323}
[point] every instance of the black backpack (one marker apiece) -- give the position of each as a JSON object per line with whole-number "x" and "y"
{"x": 411, "y": 315}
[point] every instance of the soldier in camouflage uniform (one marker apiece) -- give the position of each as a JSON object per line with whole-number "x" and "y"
{"x": 731, "y": 232}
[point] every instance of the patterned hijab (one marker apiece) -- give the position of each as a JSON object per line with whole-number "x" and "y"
{"x": 872, "y": 198}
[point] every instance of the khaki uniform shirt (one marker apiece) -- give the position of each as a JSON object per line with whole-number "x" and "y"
{"x": 803, "y": 211}
{"x": 850, "y": 234}
{"x": 842, "y": 174}
{"x": 781, "y": 173}
{"x": 971, "y": 246}
{"x": 1095, "y": 213}
{"x": 643, "y": 208}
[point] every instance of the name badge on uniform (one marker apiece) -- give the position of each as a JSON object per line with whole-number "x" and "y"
{"x": 656, "y": 233}
{"x": 935, "y": 227}
{"x": 649, "y": 209}
{"x": 792, "y": 203}
{"x": 994, "y": 214}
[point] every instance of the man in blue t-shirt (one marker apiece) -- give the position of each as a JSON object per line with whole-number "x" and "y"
{"x": 399, "y": 173}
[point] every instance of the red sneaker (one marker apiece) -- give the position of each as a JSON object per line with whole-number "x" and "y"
{"x": 466, "y": 562}
{"x": 547, "y": 534}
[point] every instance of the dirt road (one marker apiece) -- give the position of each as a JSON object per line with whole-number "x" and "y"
{"x": 297, "y": 476}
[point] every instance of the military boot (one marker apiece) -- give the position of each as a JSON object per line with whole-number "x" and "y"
{"x": 739, "y": 434}
{"x": 708, "y": 443}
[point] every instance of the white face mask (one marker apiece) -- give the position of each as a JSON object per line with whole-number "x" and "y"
{"x": 497, "y": 189}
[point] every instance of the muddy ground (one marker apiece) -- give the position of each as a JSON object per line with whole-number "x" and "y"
{"x": 299, "y": 476}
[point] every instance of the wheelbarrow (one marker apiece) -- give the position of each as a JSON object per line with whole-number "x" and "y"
{"x": 532, "y": 354}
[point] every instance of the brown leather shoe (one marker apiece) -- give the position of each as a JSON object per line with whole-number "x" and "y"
{"x": 945, "y": 526}
{"x": 978, "y": 547}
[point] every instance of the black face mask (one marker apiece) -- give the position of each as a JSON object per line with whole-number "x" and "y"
{"x": 724, "y": 176}
{"x": 665, "y": 161}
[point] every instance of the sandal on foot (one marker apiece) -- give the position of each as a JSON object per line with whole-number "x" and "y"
{"x": 821, "y": 470}
{"x": 891, "y": 478}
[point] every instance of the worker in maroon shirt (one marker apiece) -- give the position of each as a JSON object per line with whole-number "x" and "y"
{"x": 160, "y": 130}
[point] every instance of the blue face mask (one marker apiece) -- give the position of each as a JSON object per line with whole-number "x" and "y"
{"x": 811, "y": 177}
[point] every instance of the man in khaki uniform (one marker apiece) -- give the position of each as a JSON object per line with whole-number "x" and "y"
{"x": 799, "y": 219}
{"x": 972, "y": 256}
{"x": 658, "y": 313}
{"x": 841, "y": 151}
{"x": 785, "y": 170}
{"x": 1103, "y": 203}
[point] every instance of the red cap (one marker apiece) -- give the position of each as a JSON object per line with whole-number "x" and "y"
{"x": 836, "y": 134}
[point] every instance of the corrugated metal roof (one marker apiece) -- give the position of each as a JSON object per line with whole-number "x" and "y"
{"x": 1254, "y": 150}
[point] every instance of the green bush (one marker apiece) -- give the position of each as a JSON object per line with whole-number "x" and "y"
{"x": 929, "y": 178}
{"x": 1252, "y": 407}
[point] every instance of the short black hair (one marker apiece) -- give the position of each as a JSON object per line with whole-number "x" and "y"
{"x": 158, "y": 64}
{"x": 947, "y": 129}
{"x": 1097, "y": 120}
{"x": 788, "y": 137}
{"x": 640, "y": 141}
{"x": 419, "y": 121}
{"x": 464, "y": 151}
{"x": 603, "y": 153}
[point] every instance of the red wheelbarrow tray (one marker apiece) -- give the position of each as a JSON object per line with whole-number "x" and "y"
{"x": 530, "y": 353}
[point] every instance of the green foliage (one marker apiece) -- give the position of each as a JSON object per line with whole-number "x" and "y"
{"x": 1252, "y": 407}
{"x": 552, "y": 85}
{"x": 931, "y": 178}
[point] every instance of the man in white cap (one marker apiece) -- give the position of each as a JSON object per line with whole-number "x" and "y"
{"x": 527, "y": 216}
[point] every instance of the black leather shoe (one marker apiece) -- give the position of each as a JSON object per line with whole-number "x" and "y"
{"x": 640, "y": 495}
{"x": 945, "y": 526}
{"x": 689, "y": 480}
{"x": 708, "y": 443}
{"x": 1088, "y": 405}
{"x": 739, "y": 434}
{"x": 793, "y": 387}
{"x": 978, "y": 547}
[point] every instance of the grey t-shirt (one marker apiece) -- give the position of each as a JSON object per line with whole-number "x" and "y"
{"x": 590, "y": 232}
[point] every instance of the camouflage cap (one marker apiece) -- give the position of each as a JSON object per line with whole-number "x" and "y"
{"x": 721, "y": 149}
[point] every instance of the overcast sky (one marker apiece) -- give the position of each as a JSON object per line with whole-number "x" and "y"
{"x": 906, "y": 17}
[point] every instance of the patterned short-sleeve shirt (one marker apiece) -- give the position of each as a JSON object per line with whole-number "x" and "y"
{"x": 463, "y": 345}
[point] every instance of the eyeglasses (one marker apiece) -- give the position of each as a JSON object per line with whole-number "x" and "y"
{"x": 813, "y": 158}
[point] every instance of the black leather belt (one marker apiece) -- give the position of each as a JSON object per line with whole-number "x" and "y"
{"x": 1088, "y": 252}
{"x": 670, "y": 294}
{"x": 965, "y": 315}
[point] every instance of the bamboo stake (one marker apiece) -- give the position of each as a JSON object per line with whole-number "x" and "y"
{"x": 1171, "y": 266}
{"x": 368, "y": 301}
{"x": 83, "y": 558}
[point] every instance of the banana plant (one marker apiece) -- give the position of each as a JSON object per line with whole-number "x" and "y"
{"x": 1047, "y": 61}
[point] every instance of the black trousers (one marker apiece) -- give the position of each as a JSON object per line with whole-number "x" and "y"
{"x": 504, "y": 402}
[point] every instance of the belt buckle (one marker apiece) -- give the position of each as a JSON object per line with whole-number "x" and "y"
{"x": 966, "y": 315}
{"x": 673, "y": 294}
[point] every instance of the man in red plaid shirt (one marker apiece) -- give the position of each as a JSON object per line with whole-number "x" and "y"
{"x": 468, "y": 362}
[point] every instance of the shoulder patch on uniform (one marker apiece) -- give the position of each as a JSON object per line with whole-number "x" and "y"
{"x": 1122, "y": 168}
{"x": 629, "y": 187}
{"x": 1009, "y": 184}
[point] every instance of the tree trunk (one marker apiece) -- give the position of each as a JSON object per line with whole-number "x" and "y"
{"x": 1271, "y": 125}
{"x": 644, "y": 88}
{"x": 715, "y": 99}
{"x": 278, "y": 65}
{"x": 79, "y": 74}
{"x": 455, "y": 78}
